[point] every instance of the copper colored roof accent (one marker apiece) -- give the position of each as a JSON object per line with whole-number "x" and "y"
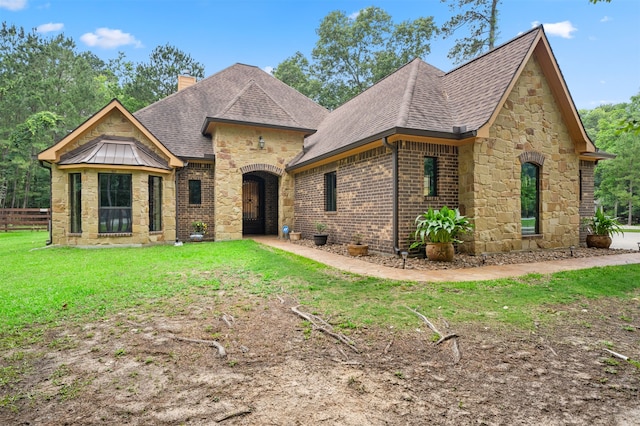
{"x": 114, "y": 151}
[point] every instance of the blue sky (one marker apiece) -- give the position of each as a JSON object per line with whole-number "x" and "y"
{"x": 597, "y": 46}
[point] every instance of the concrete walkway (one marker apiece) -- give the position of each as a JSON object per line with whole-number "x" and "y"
{"x": 362, "y": 267}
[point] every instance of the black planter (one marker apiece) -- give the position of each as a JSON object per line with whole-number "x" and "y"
{"x": 320, "y": 239}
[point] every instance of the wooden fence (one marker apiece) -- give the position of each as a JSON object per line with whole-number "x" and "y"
{"x": 24, "y": 219}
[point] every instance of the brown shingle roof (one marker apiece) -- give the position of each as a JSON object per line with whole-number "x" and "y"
{"x": 419, "y": 98}
{"x": 238, "y": 93}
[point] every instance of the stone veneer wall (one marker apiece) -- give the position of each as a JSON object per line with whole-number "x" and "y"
{"x": 236, "y": 147}
{"x": 490, "y": 172}
{"x": 189, "y": 213}
{"x": 113, "y": 124}
{"x": 364, "y": 205}
{"x": 60, "y": 217}
{"x": 411, "y": 199}
{"x": 587, "y": 202}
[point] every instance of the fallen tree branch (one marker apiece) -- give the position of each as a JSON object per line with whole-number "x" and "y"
{"x": 386, "y": 349}
{"x": 431, "y": 326}
{"x": 231, "y": 414}
{"x": 213, "y": 343}
{"x": 325, "y": 329}
{"x": 445, "y": 338}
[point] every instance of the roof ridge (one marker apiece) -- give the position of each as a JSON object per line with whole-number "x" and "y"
{"x": 403, "y": 113}
{"x": 506, "y": 43}
{"x": 244, "y": 90}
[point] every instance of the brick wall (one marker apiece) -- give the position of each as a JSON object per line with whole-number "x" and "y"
{"x": 188, "y": 213}
{"x": 364, "y": 205}
{"x": 587, "y": 204}
{"x": 411, "y": 199}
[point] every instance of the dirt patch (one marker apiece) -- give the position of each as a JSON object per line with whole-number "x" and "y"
{"x": 130, "y": 369}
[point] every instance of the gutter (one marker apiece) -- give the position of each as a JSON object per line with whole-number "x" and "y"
{"x": 42, "y": 164}
{"x": 463, "y": 134}
{"x": 394, "y": 176}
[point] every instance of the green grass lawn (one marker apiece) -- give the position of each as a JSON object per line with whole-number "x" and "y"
{"x": 42, "y": 286}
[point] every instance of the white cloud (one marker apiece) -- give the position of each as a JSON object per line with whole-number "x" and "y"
{"x": 13, "y": 4}
{"x": 354, "y": 15}
{"x": 109, "y": 39}
{"x": 268, "y": 69}
{"x": 50, "y": 27}
{"x": 606, "y": 19}
{"x": 561, "y": 29}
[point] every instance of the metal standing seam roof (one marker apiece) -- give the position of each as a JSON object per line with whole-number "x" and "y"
{"x": 120, "y": 152}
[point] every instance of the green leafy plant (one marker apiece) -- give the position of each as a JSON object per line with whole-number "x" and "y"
{"x": 320, "y": 227}
{"x": 357, "y": 238}
{"x": 199, "y": 227}
{"x": 440, "y": 226}
{"x": 601, "y": 224}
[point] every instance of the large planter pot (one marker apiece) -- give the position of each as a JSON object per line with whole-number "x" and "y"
{"x": 320, "y": 239}
{"x": 196, "y": 237}
{"x": 440, "y": 252}
{"x": 598, "y": 241}
{"x": 295, "y": 236}
{"x": 358, "y": 249}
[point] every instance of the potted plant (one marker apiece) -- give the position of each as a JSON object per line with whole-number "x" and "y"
{"x": 320, "y": 237}
{"x": 600, "y": 228}
{"x": 438, "y": 230}
{"x": 357, "y": 247}
{"x": 199, "y": 230}
{"x": 295, "y": 236}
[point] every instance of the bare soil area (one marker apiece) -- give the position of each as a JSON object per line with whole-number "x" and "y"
{"x": 146, "y": 368}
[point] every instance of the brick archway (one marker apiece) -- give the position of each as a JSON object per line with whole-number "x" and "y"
{"x": 261, "y": 167}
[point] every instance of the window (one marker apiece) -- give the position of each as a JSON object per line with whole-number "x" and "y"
{"x": 330, "y": 192}
{"x": 75, "y": 202}
{"x": 195, "y": 193}
{"x": 155, "y": 203}
{"x": 430, "y": 184}
{"x": 530, "y": 199}
{"x": 115, "y": 203}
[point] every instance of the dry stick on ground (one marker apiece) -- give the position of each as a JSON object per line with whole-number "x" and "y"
{"x": 617, "y": 355}
{"x": 456, "y": 351}
{"x": 325, "y": 329}
{"x": 228, "y": 319}
{"x": 234, "y": 413}
{"x": 386, "y": 349}
{"x": 220, "y": 348}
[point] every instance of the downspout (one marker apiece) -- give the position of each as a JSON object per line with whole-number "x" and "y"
{"x": 186, "y": 163}
{"x": 394, "y": 174}
{"x": 42, "y": 164}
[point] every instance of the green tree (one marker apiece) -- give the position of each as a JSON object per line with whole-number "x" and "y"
{"x": 351, "y": 54}
{"x": 480, "y": 17}
{"x": 617, "y": 180}
{"x": 20, "y": 172}
{"x": 158, "y": 78}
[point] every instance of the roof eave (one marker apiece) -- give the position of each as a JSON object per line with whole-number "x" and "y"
{"x": 453, "y": 138}
{"x": 209, "y": 120}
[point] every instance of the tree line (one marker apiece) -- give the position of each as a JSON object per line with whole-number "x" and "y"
{"x": 48, "y": 87}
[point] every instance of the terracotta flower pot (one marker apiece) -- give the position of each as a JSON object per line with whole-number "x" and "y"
{"x": 598, "y": 241}
{"x": 440, "y": 252}
{"x": 358, "y": 249}
{"x": 295, "y": 236}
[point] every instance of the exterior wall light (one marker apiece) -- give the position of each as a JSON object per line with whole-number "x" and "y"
{"x": 261, "y": 142}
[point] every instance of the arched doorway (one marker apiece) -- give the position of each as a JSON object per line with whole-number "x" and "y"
{"x": 259, "y": 203}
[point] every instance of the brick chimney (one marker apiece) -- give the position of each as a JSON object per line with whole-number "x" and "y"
{"x": 185, "y": 81}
